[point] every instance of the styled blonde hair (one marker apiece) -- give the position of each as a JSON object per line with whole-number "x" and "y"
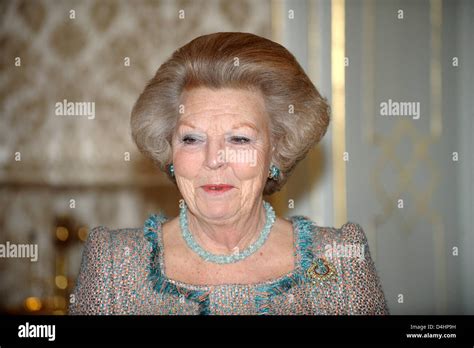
{"x": 299, "y": 115}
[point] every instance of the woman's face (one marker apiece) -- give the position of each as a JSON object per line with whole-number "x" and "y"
{"x": 222, "y": 138}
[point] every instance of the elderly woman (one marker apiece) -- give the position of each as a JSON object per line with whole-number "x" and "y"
{"x": 228, "y": 117}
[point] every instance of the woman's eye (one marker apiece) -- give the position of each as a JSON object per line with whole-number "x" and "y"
{"x": 240, "y": 140}
{"x": 189, "y": 140}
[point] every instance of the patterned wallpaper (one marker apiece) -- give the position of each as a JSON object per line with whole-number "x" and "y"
{"x": 92, "y": 51}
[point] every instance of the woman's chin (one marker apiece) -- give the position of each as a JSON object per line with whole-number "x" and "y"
{"x": 217, "y": 210}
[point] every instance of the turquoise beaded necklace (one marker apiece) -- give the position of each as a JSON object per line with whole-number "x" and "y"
{"x": 225, "y": 259}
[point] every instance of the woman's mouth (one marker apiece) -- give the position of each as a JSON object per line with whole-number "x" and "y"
{"x": 217, "y": 189}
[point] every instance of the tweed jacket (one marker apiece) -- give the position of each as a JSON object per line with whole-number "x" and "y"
{"x": 122, "y": 273}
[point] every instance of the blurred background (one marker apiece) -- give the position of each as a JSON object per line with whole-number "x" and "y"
{"x": 407, "y": 181}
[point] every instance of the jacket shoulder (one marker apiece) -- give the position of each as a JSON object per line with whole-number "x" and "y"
{"x": 347, "y": 248}
{"x": 348, "y": 233}
{"x": 105, "y": 253}
{"x": 353, "y": 232}
{"x": 104, "y": 237}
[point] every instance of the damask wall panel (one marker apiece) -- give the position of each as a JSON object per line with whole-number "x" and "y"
{"x": 402, "y": 173}
{"x": 77, "y": 172}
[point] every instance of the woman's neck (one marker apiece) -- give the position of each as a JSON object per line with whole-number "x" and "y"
{"x": 225, "y": 237}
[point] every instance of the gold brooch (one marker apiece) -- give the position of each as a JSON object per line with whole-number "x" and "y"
{"x": 321, "y": 270}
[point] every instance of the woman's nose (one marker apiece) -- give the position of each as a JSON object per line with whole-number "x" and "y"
{"x": 215, "y": 154}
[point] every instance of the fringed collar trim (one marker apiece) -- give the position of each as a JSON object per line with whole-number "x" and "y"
{"x": 303, "y": 228}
